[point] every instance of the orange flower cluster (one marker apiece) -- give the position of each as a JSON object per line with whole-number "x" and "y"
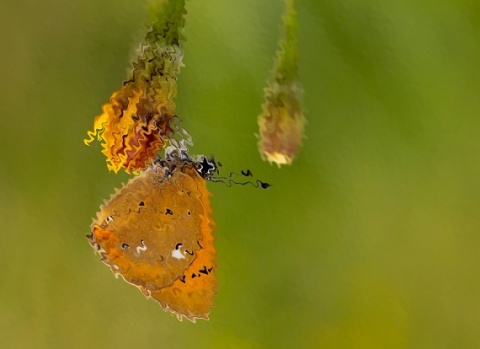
{"x": 136, "y": 123}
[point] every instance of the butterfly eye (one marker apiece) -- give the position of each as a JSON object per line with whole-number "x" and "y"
{"x": 125, "y": 246}
{"x": 109, "y": 219}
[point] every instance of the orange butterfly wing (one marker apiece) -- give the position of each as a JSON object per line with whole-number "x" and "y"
{"x": 192, "y": 294}
{"x": 157, "y": 233}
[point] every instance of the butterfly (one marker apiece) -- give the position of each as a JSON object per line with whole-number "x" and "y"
{"x": 156, "y": 232}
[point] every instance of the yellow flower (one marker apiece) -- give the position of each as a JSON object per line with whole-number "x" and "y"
{"x": 133, "y": 127}
{"x": 281, "y": 123}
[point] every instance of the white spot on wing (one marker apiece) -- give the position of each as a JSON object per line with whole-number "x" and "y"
{"x": 108, "y": 220}
{"x": 141, "y": 249}
{"x": 177, "y": 254}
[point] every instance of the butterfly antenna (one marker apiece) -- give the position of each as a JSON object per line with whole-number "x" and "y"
{"x": 230, "y": 180}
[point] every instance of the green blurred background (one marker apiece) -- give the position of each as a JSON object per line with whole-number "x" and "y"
{"x": 370, "y": 240}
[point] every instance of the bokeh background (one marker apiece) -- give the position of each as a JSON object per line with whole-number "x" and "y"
{"x": 370, "y": 240}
